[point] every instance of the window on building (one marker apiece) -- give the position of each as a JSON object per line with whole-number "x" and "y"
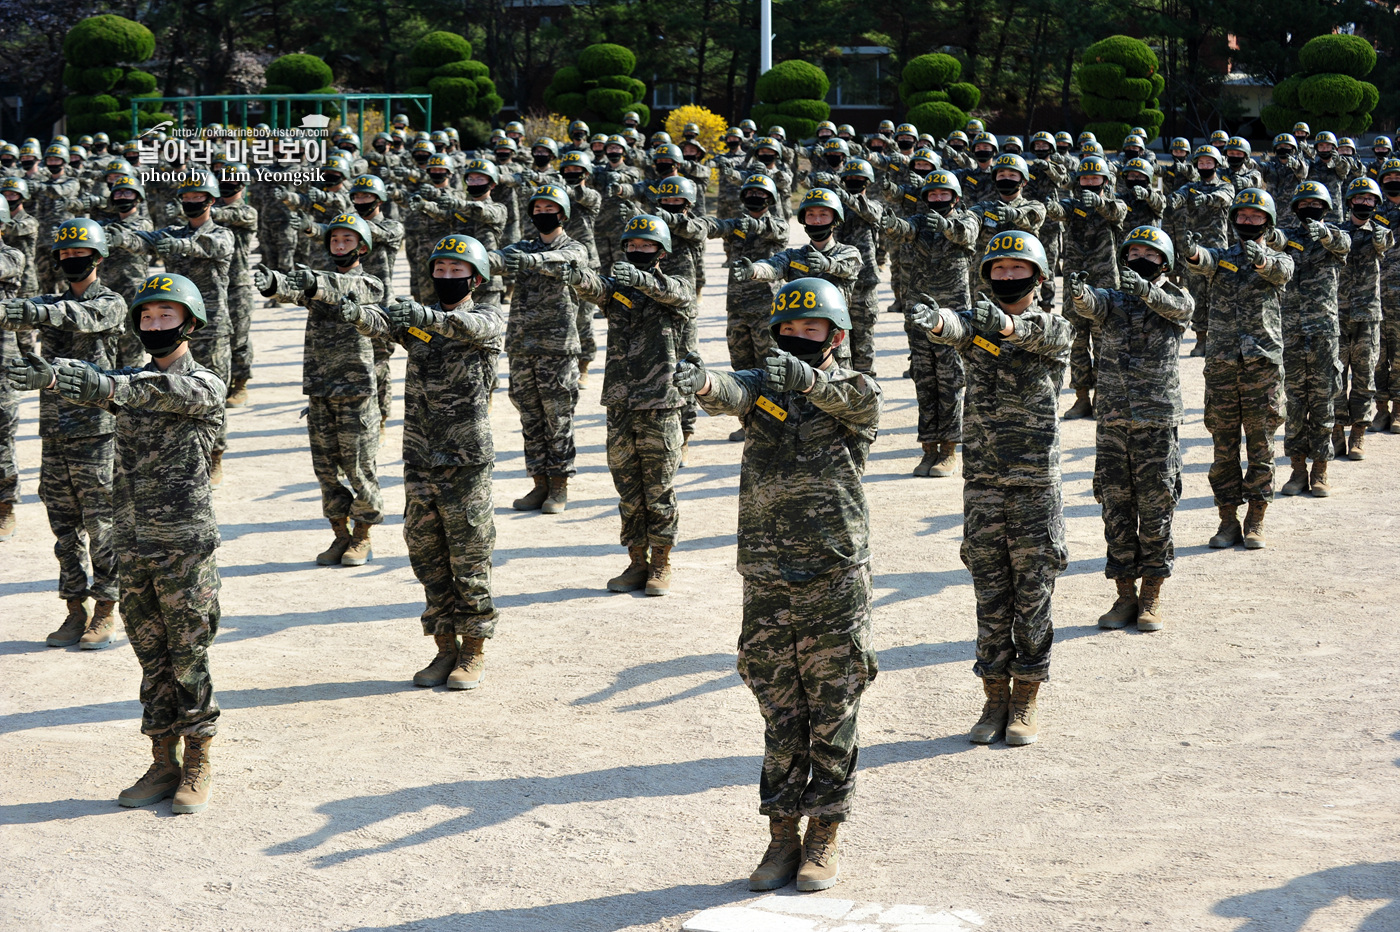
{"x": 859, "y": 78}
{"x": 668, "y": 95}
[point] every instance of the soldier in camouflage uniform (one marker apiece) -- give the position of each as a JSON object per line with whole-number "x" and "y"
{"x": 277, "y": 235}
{"x": 1285, "y": 170}
{"x": 1013, "y": 519}
{"x": 1048, "y": 178}
{"x": 1359, "y": 293}
{"x": 804, "y": 555}
{"x": 1311, "y": 367}
{"x": 167, "y": 416}
{"x": 1137, "y": 468}
{"x": 542, "y": 343}
{"x": 614, "y": 212}
{"x": 859, "y": 229}
{"x": 978, "y": 179}
{"x": 1199, "y": 208}
{"x": 1093, "y": 221}
{"x": 233, "y": 212}
{"x": 1006, "y": 207}
{"x": 1388, "y": 363}
{"x": 647, "y": 313}
{"x": 1240, "y": 168}
{"x": 369, "y": 197}
{"x": 576, "y": 169}
{"x": 505, "y": 153}
{"x": 764, "y": 158}
{"x": 75, "y": 472}
{"x": 338, "y": 378}
{"x": 1138, "y": 189}
{"x": 941, "y": 243}
{"x": 448, "y": 453}
{"x": 1244, "y": 363}
{"x": 54, "y": 200}
{"x": 124, "y": 269}
{"x": 1331, "y": 168}
{"x": 22, "y": 232}
{"x": 12, "y": 268}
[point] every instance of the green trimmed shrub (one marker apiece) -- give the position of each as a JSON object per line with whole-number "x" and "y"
{"x": 964, "y": 96}
{"x": 1286, "y": 93}
{"x": 1278, "y": 118}
{"x": 1370, "y": 97}
{"x": 278, "y": 89}
{"x": 938, "y": 102}
{"x": 936, "y": 70}
{"x": 139, "y": 82}
{"x": 452, "y": 97}
{"x": 805, "y": 109}
{"x": 97, "y": 51}
{"x": 462, "y": 88}
{"x": 1137, "y": 59}
{"x": 464, "y": 69}
{"x": 1111, "y": 134}
{"x": 608, "y": 101}
{"x": 1137, "y": 88}
{"x": 569, "y": 78}
{"x": 108, "y": 39}
{"x": 762, "y": 114}
{"x": 600, "y": 89}
{"x": 939, "y": 118}
{"x": 1352, "y": 56}
{"x": 422, "y": 76}
{"x": 103, "y": 103}
{"x": 439, "y": 48}
{"x": 797, "y": 127}
{"x": 1102, "y": 78}
{"x": 76, "y": 105}
{"x": 792, "y": 79}
{"x": 605, "y": 58}
{"x": 1330, "y": 93}
{"x": 570, "y": 103}
{"x": 927, "y": 97}
{"x": 1117, "y": 85}
{"x": 299, "y": 71}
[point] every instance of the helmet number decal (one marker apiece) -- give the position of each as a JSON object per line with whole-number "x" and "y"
{"x": 1007, "y": 241}
{"x": 77, "y": 234}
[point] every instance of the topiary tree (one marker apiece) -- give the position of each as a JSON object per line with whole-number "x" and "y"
{"x": 1119, "y": 88}
{"x": 792, "y": 95}
{"x": 599, "y": 89}
{"x": 1328, "y": 94}
{"x": 462, "y": 89}
{"x": 98, "y": 52}
{"x": 300, "y": 73}
{"x": 937, "y": 101}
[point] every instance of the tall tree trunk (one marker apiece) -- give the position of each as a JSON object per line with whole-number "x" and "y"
{"x": 1066, "y": 77}
{"x": 995, "y": 76}
{"x": 1036, "y": 73}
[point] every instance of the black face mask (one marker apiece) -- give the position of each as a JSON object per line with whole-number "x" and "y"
{"x": 451, "y": 291}
{"x": 7, "y": 163}
{"x": 76, "y": 268}
{"x": 573, "y": 178}
{"x": 905, "y": 145}
{"x": 1283, "y": 153}
{"x": 329, "y": 181}
{"x": 756, "y": 204}
{"x": 855, "y": 185}
{"x": 812, "y": 352}
{"x": 421, "y": 158}
{"x": 818, "y": 232}
{"x": 1311, "y": 213}
{"x": 228, "y": 189}
{"x": 541, "y": 159}
{"x": 546, "y": 223}
{"x": 1381, "y": 154}
{"x": 1007, "y": 186}
{"x": 1091, "y": 188}
{"x": 367, "y": 209}
{"x": 767, "y": 158}
{"x": 27, "y": 164}
{"x": 665, "y": 169}
{"x": 1011, "y": 290}
{"x": 161, "y": 343}
{"x": 1248, "y": 231}
{"x": 943, "y": 208}
{"x": 55, "y": 170}
{"x": 672, "y": 208}
{"x": 835, "y": 160}
{"x": 381, "y": 149}
{"x": 1147, "y": 268}
{"x": 502, "y": 158}
{"x": 643, "y": 260}
{"x": 1132, "y": 153}
{"x": 1362, "y": 211}
{"x": 123, "y": 204}
{"x": 1206, "y": 173}
{"x": 982, "y": 156}
{"x": 614, "y": 157}
{"x": 345, "y": 261}
{"x": 194, "y": 209}
{"x": 731, "y": 146}
{"x": 1325, "y": 156}
{"x": 1062, "y": 149}
{"x": 1234, "y": 161}
{"x": 438, "y": 179}
{"x": 1042, "y": 153}
{"x": 16, "y": 205}
{"x": 1391, "y": 188}
{"x": 99, "y": 148}
{"x": 478, "y": 190}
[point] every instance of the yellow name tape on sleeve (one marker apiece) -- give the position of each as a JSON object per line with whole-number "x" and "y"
{"x": 1229, "y": 265}
{"x": 799, "y": 266}
{"x": 987, "y": 345}
{"x": 765, "y": 405}
{"x": 1297, "y": 246}
{"x": 1080, "y": 212}
{"x": 422, "y": 335}
{"x": 621, "y": 298}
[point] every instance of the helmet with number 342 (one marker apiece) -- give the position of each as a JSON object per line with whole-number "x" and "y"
{"x": 1014, "y": 244}
{"x": 809, "y": 297}
{"x": 174, "y": 288}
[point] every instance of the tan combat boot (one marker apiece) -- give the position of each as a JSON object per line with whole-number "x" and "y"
{"x": 947, "y": 462}
{"x": 435, "y": 673}
{"x": 1297, "y": 482}
{"x": 160, "y": 779}
{"x": 1150, "y": 605}
{"x": 992, "y": 724}
{"x": 1382, "y": 421}
{"x": 1358, "y": 442}
{"x": 1254, "y": 526}
{"x": 7, "y": 520}
{"x": 471, "y": 664}
{"x": 635, "y": 576}
{"x": 582, "y": 373}
{"x": 533, "y": 499}
{"x": 1125, "y": 608}
{"x": 1339, "y": 441}
{"x": 1023, "y": 728}
{"x": 659, "y": 571}
{"x": 1083, "y": 405}
{"x": 820, "y": 868}
{"x": 782, "y": 858}
{"x": 237, "y": 394}
{"x": 332, "y": 554}
{"x": 216, "y": 469}
{"x": 1199, "y": 349}
{"x": 359, "y": 552}
{"x": 1318, "y": 480}
{"x": 1229, "y": 533}
{"x": 99, "y": 630}
{"x": 685, "y": 448}
{"x": 73, "y": 626}
{"x": 193, "y": 792}
{"x": 558, "y": 498}
{"x": 930, "y": 457}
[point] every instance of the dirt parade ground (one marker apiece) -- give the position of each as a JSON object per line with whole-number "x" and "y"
{"x": 1238, "y": 770}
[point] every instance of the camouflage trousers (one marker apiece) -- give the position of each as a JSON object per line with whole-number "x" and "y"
{"x": 746, "y": 331}
{"x": 609, "y": 243}
{"x": 75, "y": 484}
{"x": 1137, "y": 480}
{"x": 1050, "y": 236}
{"x": 690, "y": 343}
{"x": 344, "y": 434}
{"x": 544, "y": 389}
{"x": 417, "y": 246}
{"x": 1243, "y": 397}
{"x": 864, "y": 310}
{"x": 1014, "y": 547}
{"x": 939, "y": 380}
{"x": 240, "y": 312}
{"x": 170, "y": 607}
{"x": 901, "y": 271}
{"x": 450, "y": 529}
{"x": 1081, "y": 354}
{"x": 277, "y": 245}
{"x": 1199, "y": 285}
{"x": 587, "y": 340}
{"x": 9, "y": 463}
{"x": 1358, "y": 349}
{"x": 644, "y": 451}
{"x": 1312, "y": 377}
{"x": 383, "y": 382}
{"x": 216, "y": 354}
{"x": 805, "y": 652}
{"x": 1388, "y": 364}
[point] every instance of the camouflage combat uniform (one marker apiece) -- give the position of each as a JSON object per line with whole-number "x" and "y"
{"x": 863, "y": 215}
{"x": 747, "y": 305}
{"x": 1359, "y": 301}
{"x": 12, "y": 269}
{"x": 277, "y": 232}
{"x": 614, "y": 212}
{"x": 1388, "y": 362}
{"x": 51, "y": 201}
{"x": 1018, "y": 214}
{"x": 242, "y": 220}
{"x": 1048, "y": 178}
{"x": 804, "y": 554}
{"x": 584, "y": 205}
{"x": 124, "y": 271}
{"x": 388, "y": 237}
{"x": 845, "y": 264}
{"x": 1092, "y": 235}
{"x": 22, "y": 233}
{"x": 1201, "y": 207}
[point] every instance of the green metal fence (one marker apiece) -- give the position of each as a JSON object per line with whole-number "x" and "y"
{"x": 277, "y": 108}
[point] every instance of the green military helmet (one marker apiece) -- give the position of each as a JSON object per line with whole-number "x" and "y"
{"x": 1301, "y": 129}
{"x": 659, "y": 138}
{"x": 647, "y": 227}
{"x": 118, "y": 166}
{"x": 957, "y": 135}
{"x": 1044, "y": 137}
{"x": 77, "y": 154}
{"x": 827, "y": 125}
{"x": 1346, "y": 142}
{"x": 734, "y": 133}
{"x": 598, "y": 139}
{"x": 834, "y": 145}
{"x": 748, "y": 126}
{"x": 985, "y": 139}
{"x": 1284, "y": 139}
{"x": 1257, "y": 198}
{"x": 675, "y": 186}
{"x": 1381, "y": 142}
{"x": 1013, "y": 244}
{"x": 336, "y": 164}
{"x": 100, "y": 138}
{"x": 127, "y": 182}
{"x": 17, "y": 185}
{"x": 399, "y": 119}
{"x": 1012, "y": 162}
{"x": 422, "y": 150}
{"x": 631, "y": 118}
{"x": 909, "y": 129}
{"x": 1092, "y": 148}
{"x": 633, "y": 136}
{"x": 761, "y": 182}
{"x": 778, "y": 132}
{"x": 201, "y": 182}
{"x": 176, "y": 289}
{"x": 1013, "y": 145}
{"x": 548, "y": 144}
{"x": 236, "y": 169}
{"x": 369, "y": 184}
{"x": 350, "y": 139}
{"x": 667, "y": 151}
{"x": 925, "y": 155}
{"x": 808, "y": 298}
{"x": 1134, "y": 141}
{"x": 821, "y": 197}
{"x": 1138, "y": 131}
{"x": 941, "y": 181}
{"x": 356, "y": 224}
{"x": 1063, "y": 137}
{"x": 483, "y": 167}
{"x": 975, "y": 127}
{"x": 552, "y": 193}
{"x": 451, "y": 132}
{"x": 1207, "y": 151}
{"x": 57, "y": 150}
{"x": 615, "y": 140}
{"x": 80, "y": 233}
{"x": 9, "y": 149}
{"x": 1141, "y": 166}
{"x": 580, "y": 157}
{"x": 384, "y": 137}
{"x": 515, "y": 126}
{"x": 1219, "y": 138}
{"x": 846, "y": 131}
{"x": 439, "y": 139}
{"x": 690, "y": 129}
{"x": 1388, "y": 167}
{"x": 1316, "y": 190}
{"x": 506, "y": 143}
{"x": 442, "y": 163}
{"x": 85, "y": 141}
{"x": 1149, "y": 236}
{"x": 1181, "y": 142}
{"x": 463, "y": 248}
{"x": 262, "y": 129}
{"x": 1362, "y": 185}
{"x": 769, "y": 143}
{"x": 1087, "y": 137}
{"x": 1238, "y": 144}
{"x": 578, "y": 129}
{"x": 886, "y": 128}
{"x": 858, "y": 168}
{"x": 1326, "y": 138}
{"x": 61, "y": 139}
{"x": 1092, "y": 165}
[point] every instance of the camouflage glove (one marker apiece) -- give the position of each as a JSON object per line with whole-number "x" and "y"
{"x": 1196, "y": 199}
{"x": 303, "y": 280}
{"x": 1254, "y": 252}
{"x": 571, "y": 274}
{"x": 314, "y": 196}
{"x": 935, "y": 222}
{"x": 988, "y": 316}
{"x": 517, "y": 262}
{"x": 926, "y": 316}
{"x": 349, "y": 310}
{"x": 1381, "y": 240}
{"x": 1134, "y": 284}
{"x": 690, "y": 374}
{"x": 1140, "y": 193}
{"x": 617, "y": 190}
{"x": 889, "y": 222}
{"x": 827, "y": 180}
{"x": 263, "y": 279}
{"x": 93, "y": 201}
{"x": 746, "y": 225}
{"x": 289, "y": 198}
{"x": 1077, "y": 284}
{"x": 817, "y": 262}
{"x": 405, "y": 313}
{"x": 1089, "y": 199}
{"x": 787, "y": 373}
{"x": 428, "y": 193}
{"x": 81, "y": 382}
{"x": 1317, "y": 230}
{"x": 627, "y": 275}
{"x": 741, "y": 269}
{"x": 21, "y": 312}
{"x": 29, "y": 374}
{"x": 531, "y": 176}
{"x": 1192, "y": 241}
{"x": 170, "y": 247}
